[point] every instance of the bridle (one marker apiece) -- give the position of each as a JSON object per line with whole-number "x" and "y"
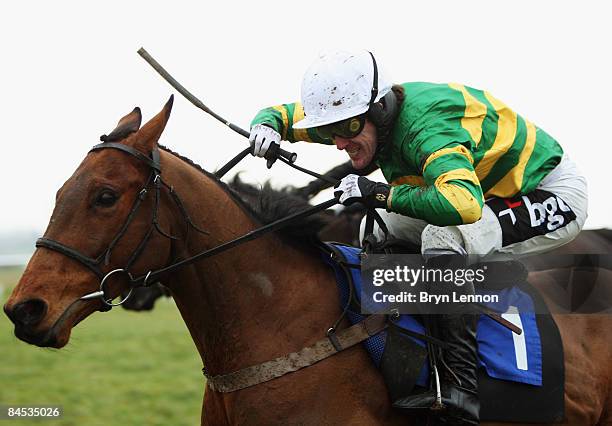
{"x": 96, "y": 264}
{"x": 155, "y": 179}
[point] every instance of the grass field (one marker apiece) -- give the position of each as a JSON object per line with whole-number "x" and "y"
{"x": 120, "y": 368}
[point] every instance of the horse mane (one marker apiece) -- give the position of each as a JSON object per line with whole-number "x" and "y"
{"x": 266, "y": 204}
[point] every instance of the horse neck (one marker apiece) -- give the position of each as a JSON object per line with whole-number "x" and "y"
{"x": 253, "y": 302}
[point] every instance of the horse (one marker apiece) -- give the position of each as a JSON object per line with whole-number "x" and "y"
{"x": 266, "y": 298}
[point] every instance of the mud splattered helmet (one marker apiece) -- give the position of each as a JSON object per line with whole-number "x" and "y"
{"x": 340, "y": 85}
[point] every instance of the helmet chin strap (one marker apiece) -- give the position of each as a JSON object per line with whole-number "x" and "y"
{"x": 374, "y": 80}
{"x": 382, "y": 113}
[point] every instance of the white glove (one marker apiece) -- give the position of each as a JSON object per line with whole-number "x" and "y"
{"x": 348, "y": 189}
{"x": 353, "y": 188}
{"x": 261, "y": 138}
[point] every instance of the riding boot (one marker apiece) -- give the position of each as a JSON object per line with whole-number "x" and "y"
{"x": 456, "y": 326}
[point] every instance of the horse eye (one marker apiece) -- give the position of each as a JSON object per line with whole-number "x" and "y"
{"x": 106, "y": 198}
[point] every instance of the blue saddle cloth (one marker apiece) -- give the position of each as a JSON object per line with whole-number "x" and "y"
{"x": 503, "y": 354}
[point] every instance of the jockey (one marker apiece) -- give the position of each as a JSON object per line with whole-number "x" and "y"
{"x": 465, "y": 175}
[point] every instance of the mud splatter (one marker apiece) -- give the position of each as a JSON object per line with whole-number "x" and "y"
{"x": 263, "y": 283}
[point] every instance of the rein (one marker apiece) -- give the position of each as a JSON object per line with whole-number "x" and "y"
{"x": 271, "y": 227}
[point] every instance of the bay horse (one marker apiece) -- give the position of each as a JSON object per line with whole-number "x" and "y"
{"x": 266, "y": 298}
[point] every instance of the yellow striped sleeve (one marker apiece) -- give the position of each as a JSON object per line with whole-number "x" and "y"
{"x": 459, "y": 149}
{"x": 506, "y": 132}
{"x": 462, "y": 200}
{"x": 474, "y": 115}
{"x": 298, "y": 114}
{"x": 513, "y": 180}
{"x": 283, "y": 112}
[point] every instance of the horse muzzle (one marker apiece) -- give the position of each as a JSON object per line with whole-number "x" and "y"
{"x": 26, "y": 316}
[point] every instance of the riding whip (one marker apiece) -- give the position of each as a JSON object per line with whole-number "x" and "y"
{"x": 275, "y": 152}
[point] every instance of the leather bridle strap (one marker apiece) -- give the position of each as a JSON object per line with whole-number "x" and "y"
{"x": 92, "y": 264}
{"x": 151, "y": 276}
{"x": 324, "y": 348}
{"x": 152, "y": 163}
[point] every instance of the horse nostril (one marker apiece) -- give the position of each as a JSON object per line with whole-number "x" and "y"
{"x": 29, "y": 313}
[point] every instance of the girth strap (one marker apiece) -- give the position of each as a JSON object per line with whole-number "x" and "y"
{"x": 269, "y": 370}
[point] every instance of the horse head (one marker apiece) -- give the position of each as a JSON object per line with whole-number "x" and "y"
{"x": 101, "y": 222}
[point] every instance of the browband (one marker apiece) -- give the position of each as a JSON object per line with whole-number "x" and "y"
{"x": 153, "y": 163}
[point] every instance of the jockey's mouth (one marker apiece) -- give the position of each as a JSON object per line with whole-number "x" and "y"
{"x": 353, "y": 150}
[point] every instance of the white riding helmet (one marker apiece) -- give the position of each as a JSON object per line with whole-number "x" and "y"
{"x": 338, "y": 85}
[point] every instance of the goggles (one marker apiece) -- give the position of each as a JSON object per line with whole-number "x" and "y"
{"x": 348, "y": 128}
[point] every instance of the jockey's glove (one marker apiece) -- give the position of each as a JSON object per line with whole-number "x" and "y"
{"x": 261, "y": 138}
{"x": 354, "y": 188}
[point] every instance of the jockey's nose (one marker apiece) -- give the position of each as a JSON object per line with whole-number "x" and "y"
{"x": 341, "y": 143}
{"x": 28, "y": 313}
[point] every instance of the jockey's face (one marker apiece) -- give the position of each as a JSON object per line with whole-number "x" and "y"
{"x": 361, "y": 148}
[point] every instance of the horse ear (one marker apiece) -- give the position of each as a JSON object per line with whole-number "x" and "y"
{"x": 126, "y": 126}
{"x": 147, "y": 137}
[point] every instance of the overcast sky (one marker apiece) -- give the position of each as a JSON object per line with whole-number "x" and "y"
{"x": 70, "y": 70}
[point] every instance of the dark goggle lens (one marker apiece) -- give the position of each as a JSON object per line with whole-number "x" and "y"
{"x": 345, "y": 129}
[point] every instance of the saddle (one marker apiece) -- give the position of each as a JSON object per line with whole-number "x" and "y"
{"x": 530, "y": 368}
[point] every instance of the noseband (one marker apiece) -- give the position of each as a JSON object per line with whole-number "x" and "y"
{"x": 96, "y": 264}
